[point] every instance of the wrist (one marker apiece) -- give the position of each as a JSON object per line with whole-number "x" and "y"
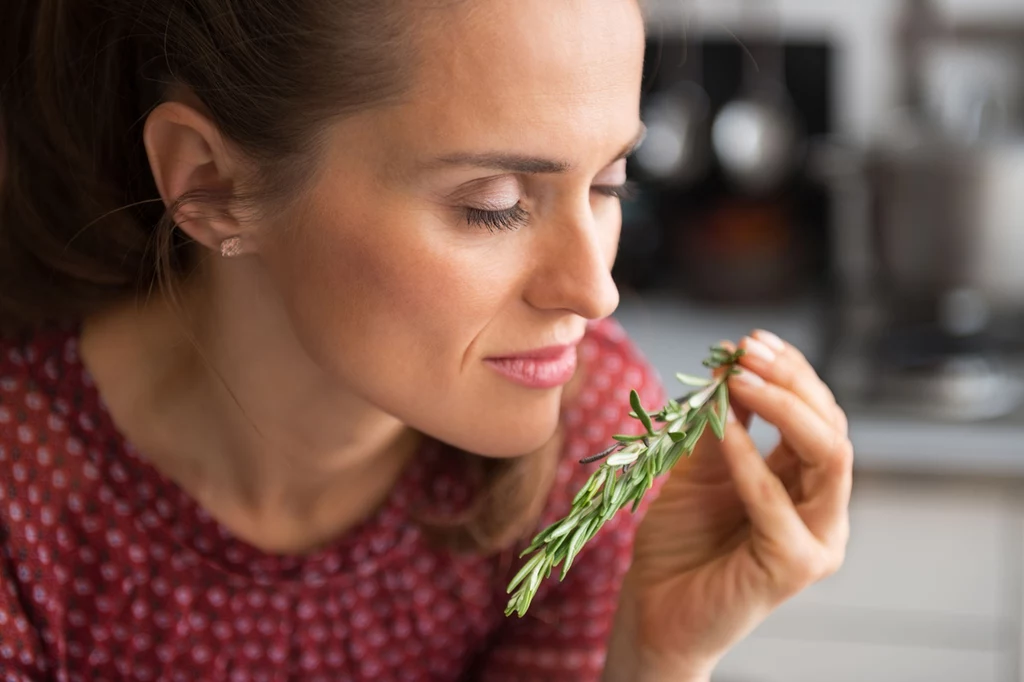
{"x": 630, "y": 659}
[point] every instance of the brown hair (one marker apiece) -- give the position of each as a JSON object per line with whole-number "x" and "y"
{"x": 81, "y": 222}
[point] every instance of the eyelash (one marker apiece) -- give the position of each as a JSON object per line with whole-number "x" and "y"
{"x": 505, "y": 220}
{"x": 625, "y": 191}
{"x": 511, "y": 219}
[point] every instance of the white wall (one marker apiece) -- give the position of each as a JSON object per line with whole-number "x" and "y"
{"x": 860, "y": 29}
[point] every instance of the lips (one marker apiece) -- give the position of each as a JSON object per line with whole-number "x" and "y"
{"x": 547, "y": 367}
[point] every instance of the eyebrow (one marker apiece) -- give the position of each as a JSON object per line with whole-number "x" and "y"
{"x": 526, "y": 165}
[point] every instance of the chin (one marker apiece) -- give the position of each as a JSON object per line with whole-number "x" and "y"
{"x": 503, "y": 431}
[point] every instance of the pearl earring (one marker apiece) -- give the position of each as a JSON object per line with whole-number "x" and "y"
{"x": 231, "y": 247}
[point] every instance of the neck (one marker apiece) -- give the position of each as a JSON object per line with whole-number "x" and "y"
{"x": 223, "y": 399}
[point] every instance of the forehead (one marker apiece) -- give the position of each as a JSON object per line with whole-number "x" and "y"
{"x": 541, "y": 73}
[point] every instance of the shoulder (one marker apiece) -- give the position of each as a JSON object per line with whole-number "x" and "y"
{"x": 39, "y": 360}
{"x": 41, "y": 392}
{"x": 40, "y": 375}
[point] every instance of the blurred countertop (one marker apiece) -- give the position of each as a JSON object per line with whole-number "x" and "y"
{"x": 675, "y": 336}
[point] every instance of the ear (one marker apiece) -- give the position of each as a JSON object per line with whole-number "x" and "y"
{"x": 187, "y": 153}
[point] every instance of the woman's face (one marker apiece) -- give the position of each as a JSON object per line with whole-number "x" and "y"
{"x": 473, "y": 223}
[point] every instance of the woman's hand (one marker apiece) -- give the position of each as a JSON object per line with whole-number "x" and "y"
{"x": 732, "y": 534}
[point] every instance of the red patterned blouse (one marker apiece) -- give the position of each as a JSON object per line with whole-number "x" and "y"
{"x": 109, "y": 571}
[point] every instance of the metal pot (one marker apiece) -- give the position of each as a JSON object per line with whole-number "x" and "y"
{"x": 676, "y": 149}
{"x": 949, "y": 225}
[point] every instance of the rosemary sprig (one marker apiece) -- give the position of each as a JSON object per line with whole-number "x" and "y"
{"x": 628, "y": 472}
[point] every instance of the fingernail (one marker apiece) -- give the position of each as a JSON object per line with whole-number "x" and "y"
{"x": 758, "y": 349}
{"x": 730, "y": 416}
{"x": 748, "y": 377}
{"x": 771, "y": 339}
{"x": 725, "y": 343}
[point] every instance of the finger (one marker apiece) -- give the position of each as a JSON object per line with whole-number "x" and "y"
{"x": 781, "y": 543}
{"x": 782, "y": 461}
{"x": 794, "y": 355}
{"x": 763, "y": 495}
{"x": 842, "y": 422}
{"x": 807, "y": 431}
{"x": 782, "y": 364}
{"x": 814, "y": 382}
{"x": 825, "y": 453}
{"x": 790, "y": 554}
{"x": 786, "y": 465}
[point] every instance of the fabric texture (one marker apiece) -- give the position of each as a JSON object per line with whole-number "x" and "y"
{"x": 109, "y": 571}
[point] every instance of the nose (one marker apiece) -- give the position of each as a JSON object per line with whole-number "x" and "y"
{"x": 573, "y": 266}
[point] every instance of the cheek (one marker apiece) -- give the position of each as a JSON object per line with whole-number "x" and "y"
{"x": 380, "y": 292}
{"x": 397, "y": 319}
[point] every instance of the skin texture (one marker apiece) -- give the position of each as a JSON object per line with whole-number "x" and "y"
{"x": 287, "y": 389}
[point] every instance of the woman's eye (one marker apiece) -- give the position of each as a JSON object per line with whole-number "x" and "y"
{"x": 514, "y": 217}
{"x": 508, "y": 219}
{"x": 625, "y": 191}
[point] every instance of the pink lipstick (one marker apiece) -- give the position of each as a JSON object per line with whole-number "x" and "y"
{"x": 541, "y": 368}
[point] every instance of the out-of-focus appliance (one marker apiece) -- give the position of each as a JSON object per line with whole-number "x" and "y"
{"x": 929, "y": 231}
{"x": 728, "y": 212}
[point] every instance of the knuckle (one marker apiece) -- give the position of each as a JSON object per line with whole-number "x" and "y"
{"x": 827, "y": 563}
{"x": 794, "y": 354}
{"x": 803, "y": 566}
{"x": 806, "y": 563}
{"x": 788, "y": 402}
{"x": 841, "y": 449}
{"x": 834, "y": 561}
{"x": 784, "y": 375}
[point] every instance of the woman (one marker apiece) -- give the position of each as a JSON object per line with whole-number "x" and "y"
{"x": 309, "y": 305}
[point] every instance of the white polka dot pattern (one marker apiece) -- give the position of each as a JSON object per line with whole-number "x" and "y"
{"x": 111, "y": 572}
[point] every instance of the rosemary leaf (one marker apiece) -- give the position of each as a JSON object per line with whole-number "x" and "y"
{"x": 634, "y": 400}
{"x": 622, "y": 459}
{"x": 564, "y": 528}
{"x": 575, "y": 544}
{"x": 533, "y": 563}
{"x": 591, "y": 487}
{"x": 722, "y": 394}
{"x": 627, "y": 474}
{"x": 609, "y": 490}
{"x": 677, "y": 436}
{"x": 690, "y": 380}
{"x": 624, "y": 438}
{"x": 716, "y": 424}
{"x": 694, "y": 435}
{"x": 672, "y": 457}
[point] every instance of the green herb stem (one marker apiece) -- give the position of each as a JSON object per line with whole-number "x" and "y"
{"x": 628, "y": 473}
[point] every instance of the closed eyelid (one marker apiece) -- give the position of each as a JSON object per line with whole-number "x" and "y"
{"x": 615, "y": 174}
{"x": 494, "y": 201}
{"x": 489, "y": 193}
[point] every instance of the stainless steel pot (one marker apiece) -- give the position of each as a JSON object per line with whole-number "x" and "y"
{"x": 949, "y": 225}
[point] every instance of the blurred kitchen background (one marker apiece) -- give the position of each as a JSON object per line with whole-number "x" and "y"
{"x": 850, "y": 175}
